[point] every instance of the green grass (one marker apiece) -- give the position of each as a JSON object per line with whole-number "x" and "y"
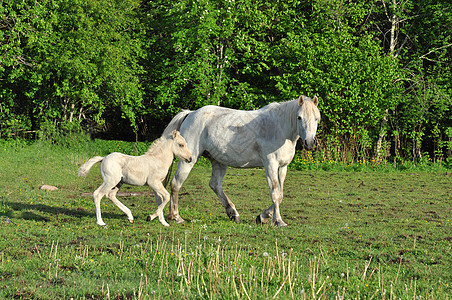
{"x": 351, "y": 235}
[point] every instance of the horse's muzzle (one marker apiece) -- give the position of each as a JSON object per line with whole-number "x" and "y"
{"x": 309, "y": 144}
{"x": 189, "y": 160}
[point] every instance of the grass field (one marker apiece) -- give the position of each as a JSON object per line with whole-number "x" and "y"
{"x": 351, "y": 235}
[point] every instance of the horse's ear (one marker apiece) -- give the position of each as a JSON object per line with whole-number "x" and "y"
{"x": 315, "y": 100}
{"x": 175, "y": 132}
{"x": 300, "y": 100}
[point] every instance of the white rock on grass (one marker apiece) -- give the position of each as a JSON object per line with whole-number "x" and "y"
{"x": 48, "y": 187}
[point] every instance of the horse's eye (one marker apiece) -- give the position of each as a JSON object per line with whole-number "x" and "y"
{"x": 299, "y": 118}
{"x": 181, "y": 145}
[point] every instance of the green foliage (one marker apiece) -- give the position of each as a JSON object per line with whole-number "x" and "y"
{"x": 320, "y": 161}
{"x": 72, "y": 60}
{"x": 68, "y": 135}
{"x": 126, "y": 67}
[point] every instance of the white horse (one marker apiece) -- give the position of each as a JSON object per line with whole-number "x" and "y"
{"x": 245, "y": 139}
{"x": 148, "y": 169}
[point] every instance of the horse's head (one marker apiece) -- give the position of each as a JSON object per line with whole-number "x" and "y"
{"x": 180, "y": 147}
{"x": 308, "y": 116}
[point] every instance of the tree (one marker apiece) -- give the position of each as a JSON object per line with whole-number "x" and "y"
{"x": 331, "y": 53}
{"x": 77, "y": 59}
{"x": 417, "y": 34}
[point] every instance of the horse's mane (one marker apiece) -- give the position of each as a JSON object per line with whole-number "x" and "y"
{"x": 286, "y": 105}
{"x": 286, "y": 109}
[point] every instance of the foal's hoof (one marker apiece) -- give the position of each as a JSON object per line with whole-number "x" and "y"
{"x": 164, "y": 223}
{"x": 280, "y": 224}
{"x": 151, "y": 217}
{"x": 131, "y": 221}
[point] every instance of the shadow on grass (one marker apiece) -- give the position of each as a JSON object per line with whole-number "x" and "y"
{"x": 28, "y": 211}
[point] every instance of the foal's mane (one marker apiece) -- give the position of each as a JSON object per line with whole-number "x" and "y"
{"x": 156, "y": 147}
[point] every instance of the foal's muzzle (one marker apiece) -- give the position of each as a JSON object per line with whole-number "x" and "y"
{"x": 189, "y": 160}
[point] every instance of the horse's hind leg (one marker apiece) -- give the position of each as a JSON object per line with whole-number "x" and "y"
{"x": 265, "y": 215}
{"x": 216, "y": 184}
{"x": 112, "y": 196}
{"x": 183, "y": 169}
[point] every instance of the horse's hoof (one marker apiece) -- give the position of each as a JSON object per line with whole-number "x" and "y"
{"x": 148, "y": 218}
{"x": 176, "y": 218}
{"x": 235, "y": 218}
{"x": 259, "y": 220}
{"x": 131, "y": 221}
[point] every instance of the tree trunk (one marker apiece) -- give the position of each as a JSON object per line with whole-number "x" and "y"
{"x": 394, "y": 19}
{"x": 381, "y": 136}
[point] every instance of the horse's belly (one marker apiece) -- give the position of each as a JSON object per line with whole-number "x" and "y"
{"x": 237, "y": 157}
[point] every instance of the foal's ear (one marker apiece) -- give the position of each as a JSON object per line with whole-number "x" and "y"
{"x": 175, "y": 133}
{"x": 315, "y": 100}
{"x": 300, "y": 100}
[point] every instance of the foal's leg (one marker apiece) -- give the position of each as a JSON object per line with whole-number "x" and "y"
{"x": 97, "y": 195}
{"x": 112, "y": 196}
{"x": 275, "y": 179}
{"x": 216, "y": 184}
{"x": 183, "y": 169}
{"x": 160, "y": 194}
{"x": 158, "y": 198}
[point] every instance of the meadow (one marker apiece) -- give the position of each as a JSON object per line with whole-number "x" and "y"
{"x": 375, "y": 233}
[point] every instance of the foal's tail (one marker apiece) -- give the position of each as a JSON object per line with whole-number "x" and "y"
{"x": 84, "y": 169}
{"x": 176, "y": 122}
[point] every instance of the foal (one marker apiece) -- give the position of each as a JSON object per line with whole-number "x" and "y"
{"x": 148, "y": 169}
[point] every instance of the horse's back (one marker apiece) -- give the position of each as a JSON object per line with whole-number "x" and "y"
{"x": 232, "y": 137}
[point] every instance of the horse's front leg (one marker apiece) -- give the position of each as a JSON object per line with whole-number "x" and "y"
{"x": 275, "y": 179}
{"x": 216, "y": 184}
{"x": 183, "y": 169}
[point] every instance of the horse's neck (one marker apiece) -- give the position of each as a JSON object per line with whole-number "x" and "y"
{"x": 286, "y": 112}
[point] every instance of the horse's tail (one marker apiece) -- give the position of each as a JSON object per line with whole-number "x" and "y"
{"x": 84, "y": 169}
{"x": 176, "y": 122}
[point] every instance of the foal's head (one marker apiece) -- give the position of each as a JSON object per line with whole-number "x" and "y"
{"x": 179, "y": 147}
{"x": 308, "y": 116}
